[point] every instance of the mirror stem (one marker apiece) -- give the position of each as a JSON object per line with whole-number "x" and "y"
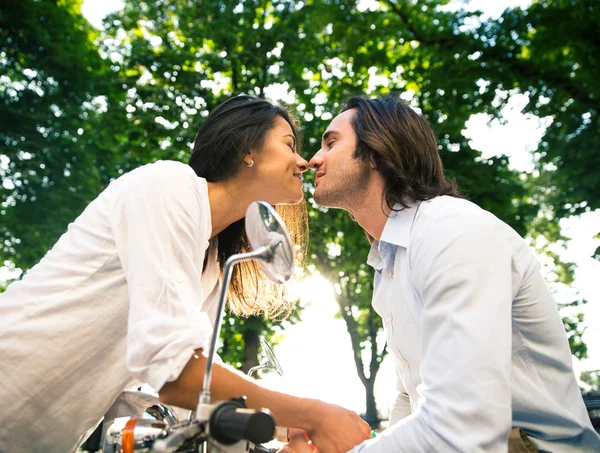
{"x": 254, "y": 369}
{"x": 266, "y": 253}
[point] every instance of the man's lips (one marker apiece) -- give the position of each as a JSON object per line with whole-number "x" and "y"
{"x": 319, "y": 174}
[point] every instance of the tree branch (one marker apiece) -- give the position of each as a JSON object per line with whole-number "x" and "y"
{"x": 416, "y": 34}
{"x": 527, "y": 69}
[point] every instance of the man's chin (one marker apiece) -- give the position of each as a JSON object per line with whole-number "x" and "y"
{"x": 323, "y": 200}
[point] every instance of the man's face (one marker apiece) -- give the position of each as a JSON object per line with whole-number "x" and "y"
{"x": 340, "y": 178}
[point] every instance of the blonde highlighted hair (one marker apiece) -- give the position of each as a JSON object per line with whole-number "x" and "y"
{"x": 251, "y": 293}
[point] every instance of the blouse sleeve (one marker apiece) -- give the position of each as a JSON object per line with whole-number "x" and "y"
{"x": 161, "y": 241}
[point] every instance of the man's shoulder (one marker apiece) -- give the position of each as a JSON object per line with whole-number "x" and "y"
{"x": 447, "y": 218}
{"x": 446, "y": 207}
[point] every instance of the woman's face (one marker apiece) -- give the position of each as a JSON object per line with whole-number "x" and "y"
{"x": 278, "y": 167}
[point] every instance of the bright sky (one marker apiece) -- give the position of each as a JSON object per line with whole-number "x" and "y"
{"x": 316, "y": 355}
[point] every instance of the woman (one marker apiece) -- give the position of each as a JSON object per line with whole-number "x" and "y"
{"x": 128, "y": 293}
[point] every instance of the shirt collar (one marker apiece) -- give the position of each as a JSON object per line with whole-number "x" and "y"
{"x": 398, "y": 225}
{"x": 396, "y": 232}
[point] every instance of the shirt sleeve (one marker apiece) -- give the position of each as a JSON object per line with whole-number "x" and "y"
{"x": 157, "y": 229}
{"x": 462, "y": 270}
{"x": 401, "y": 406}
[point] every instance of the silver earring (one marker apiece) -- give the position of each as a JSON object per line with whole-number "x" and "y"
{"x": 249, "y": 164}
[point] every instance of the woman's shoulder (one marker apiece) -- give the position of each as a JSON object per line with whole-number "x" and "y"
{"x": 165, "y": 169}
{"x": 160, "y": 180}
{"x": 163, "y": 175}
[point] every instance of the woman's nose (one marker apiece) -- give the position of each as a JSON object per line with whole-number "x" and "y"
{"x": 302, "y": 164}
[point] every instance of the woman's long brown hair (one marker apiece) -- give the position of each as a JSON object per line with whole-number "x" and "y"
{"x": 229, "y": 132}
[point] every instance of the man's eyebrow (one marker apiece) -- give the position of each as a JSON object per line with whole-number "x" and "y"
{"x": 328, "y": 134}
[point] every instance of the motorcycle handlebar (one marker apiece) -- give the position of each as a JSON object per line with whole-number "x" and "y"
{"x": 177, "y": 439}
{"x": 231, "y": 422}
{"x": 262, "y": 449}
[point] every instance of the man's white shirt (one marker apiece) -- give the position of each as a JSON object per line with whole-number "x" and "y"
{"x": 122, "y": 297}
{"x": 478, "y": 343}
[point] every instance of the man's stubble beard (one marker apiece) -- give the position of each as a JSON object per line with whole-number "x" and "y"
{"x": 346, "y": 194}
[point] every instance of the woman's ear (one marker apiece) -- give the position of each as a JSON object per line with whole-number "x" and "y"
{"x": 248, "y": 160}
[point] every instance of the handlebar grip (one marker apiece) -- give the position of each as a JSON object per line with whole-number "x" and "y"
{"x": 230, "y": 423}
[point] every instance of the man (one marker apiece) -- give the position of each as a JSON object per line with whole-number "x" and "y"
{"x": 482, "y": 359}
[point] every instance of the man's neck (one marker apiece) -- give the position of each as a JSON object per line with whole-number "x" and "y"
{"x": 372, "y": 211}
{"x": 372, "y": 218}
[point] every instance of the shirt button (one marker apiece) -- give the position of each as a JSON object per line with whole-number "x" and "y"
{"x": 402, "y": 363}
{"x": 389, "y": 274}
{"x": 388, "y": 319}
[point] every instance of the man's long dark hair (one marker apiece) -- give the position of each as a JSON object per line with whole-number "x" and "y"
{"x": 403, "y": 148}
{"x": 230, "y": 131}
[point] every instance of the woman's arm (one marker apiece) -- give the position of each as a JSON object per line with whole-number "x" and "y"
{"x": 331, "y": 428}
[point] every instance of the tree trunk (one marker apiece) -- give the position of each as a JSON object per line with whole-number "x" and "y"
{"x": 371, "y": 416}
{"x": 250, "y": 349}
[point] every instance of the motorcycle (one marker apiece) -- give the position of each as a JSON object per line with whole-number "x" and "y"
{"x": 138, "y": 422}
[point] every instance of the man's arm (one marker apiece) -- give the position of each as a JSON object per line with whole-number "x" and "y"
{"x": 331, "y": 428}
{"x": 401, "y": 408}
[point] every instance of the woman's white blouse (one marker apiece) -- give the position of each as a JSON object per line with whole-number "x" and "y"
{"x": 121, "y": 297}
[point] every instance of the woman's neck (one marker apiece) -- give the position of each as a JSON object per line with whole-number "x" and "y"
{"x": 227, "y": 205}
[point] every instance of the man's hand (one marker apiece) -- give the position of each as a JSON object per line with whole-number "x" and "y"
{"x": 335, "y": 429}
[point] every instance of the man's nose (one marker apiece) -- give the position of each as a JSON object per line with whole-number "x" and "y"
{"x": 316, "y": 161}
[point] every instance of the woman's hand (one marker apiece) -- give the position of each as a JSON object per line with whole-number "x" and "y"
{"x": 298, "y": 443}
{"x": 336, "y": 429}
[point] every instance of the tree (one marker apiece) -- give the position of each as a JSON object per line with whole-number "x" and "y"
{"x": 51, "y": 73}
{"x": 548, "y": 51}
{"x": 591, "y": 379}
